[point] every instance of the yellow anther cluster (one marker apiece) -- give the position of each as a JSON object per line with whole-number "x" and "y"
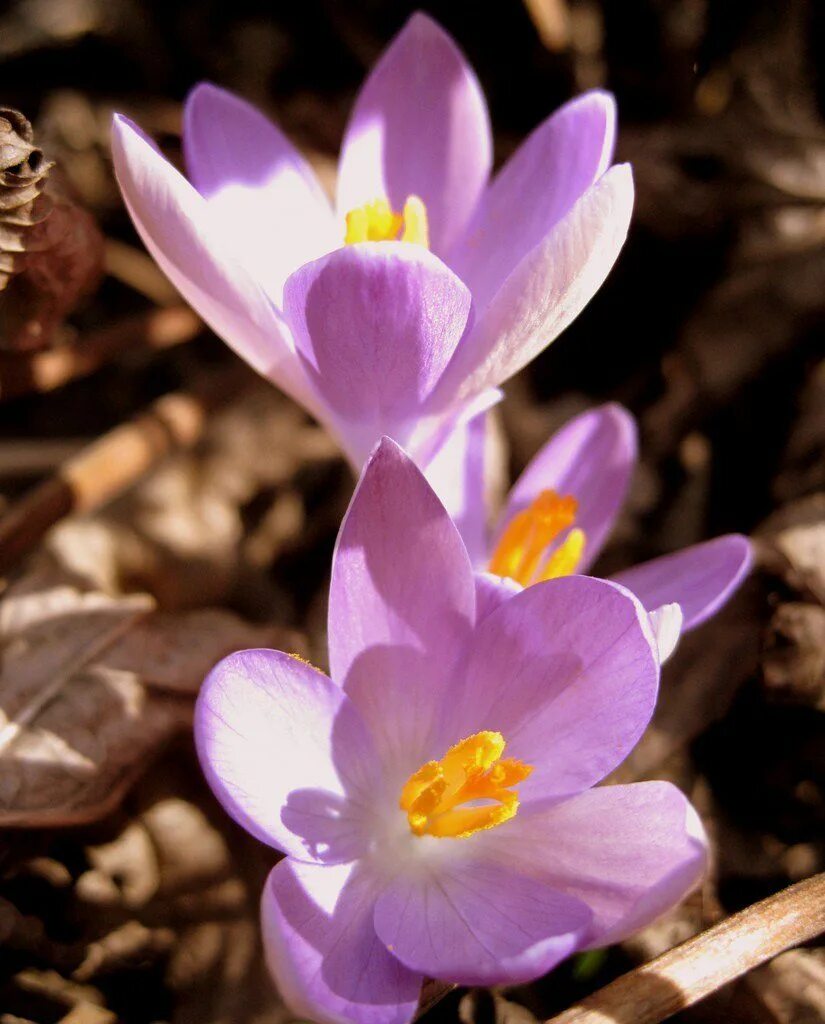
{"x": 529, "y": 533}
{"x": 436, "y": 796}
{"x": 378, "y": 222}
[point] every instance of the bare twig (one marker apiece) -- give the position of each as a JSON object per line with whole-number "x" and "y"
{"x": 114, "y": 462}
{"x": 46, "y": 371}
{"x": 688, "y": 973}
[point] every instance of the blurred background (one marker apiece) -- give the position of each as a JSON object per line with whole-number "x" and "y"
{"x": 130, "y": 898}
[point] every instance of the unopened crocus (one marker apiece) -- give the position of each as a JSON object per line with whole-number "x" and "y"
{"x": 561, "y": 510}
{"x": 401, "y": 309}
{"x": 434, "y": 795}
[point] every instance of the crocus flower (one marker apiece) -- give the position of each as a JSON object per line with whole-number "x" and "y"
{"x": 561, "y": 510}
{"x": 434, "y": 795}
{"x": 402, "y": 309}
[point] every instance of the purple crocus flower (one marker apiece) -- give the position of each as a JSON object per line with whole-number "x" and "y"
{"x": 561, "y": 510}
{"x": 450, "y": 283}
{"x": 434, "y": 798}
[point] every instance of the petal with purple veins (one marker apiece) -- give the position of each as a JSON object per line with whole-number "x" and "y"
{"x": 261, "y": 192}
{"x": 629, "y": 852}
{"x": 286, "y": 754}
{"x": 401, "y": 606}
{"x": 322, "y": 949}
{"x": 567, "y": 671}
{"x": 174, "y": 222}
{"x": 537, "y": 186}
{"x": 548, "y": 289}
{"x": 419, "y": 127}
{"x": 700, "y": 578}
{"x": 376, "y": 324}
{"x": 473, "y": 921}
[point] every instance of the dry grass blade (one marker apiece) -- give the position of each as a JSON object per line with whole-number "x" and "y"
{"x": 688, "y": 973}
{"x": 114, "y": 462}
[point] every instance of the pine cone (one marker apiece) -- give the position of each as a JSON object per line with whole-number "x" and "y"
{"x": 51, "y": 251}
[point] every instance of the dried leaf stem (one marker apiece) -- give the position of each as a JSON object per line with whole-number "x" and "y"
{"x": 22, "y": 374}
{"x": 114, "y": 462}
{"x": 695, "y": 969}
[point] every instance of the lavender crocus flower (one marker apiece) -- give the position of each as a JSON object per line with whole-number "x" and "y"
{"x": 450, "y": 283}
{"x": 561, "y": 510}
{"x": 434, "y": 798}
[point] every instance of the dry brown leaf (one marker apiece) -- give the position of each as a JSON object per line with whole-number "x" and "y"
{"x": 794, "y": 544}
{"x": 793, "y": 665}
{"x": 74, "y": 731}
{"x": 175, "y": 651}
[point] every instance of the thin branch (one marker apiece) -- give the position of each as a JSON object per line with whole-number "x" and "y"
{"x": 688, "y": 973}
{"x": 46, "y": 371}
{"x": 115, "y": 461}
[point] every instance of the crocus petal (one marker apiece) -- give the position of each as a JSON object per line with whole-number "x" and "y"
{"x": 591, "y": 458}
{"x": 261, "y": 192}
{"x": 402, "y": 600}
{"x": 548, "y": 289}
{"x": 667, "y": 628}
{"x": 322, "y": 950}
{"x": 536, "y": 187}
{"x": 173, "y": 221}
{"x": 457, "y": 475}
{"x": 477, "y": 922}
{"x": 567, "y": 672}
{"x": 285, "y": 753}
{"x": 419, "y": 127}
{"x": 700, "y": 578}
{"x": 629, "y": 852}
{"x": 492, "y": 591}
{"x": 376, "y": 324}
{"x": 437, "y": 427}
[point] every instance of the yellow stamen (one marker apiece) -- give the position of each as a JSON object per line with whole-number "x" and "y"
{"x": 528, "y": 535}
{"x": 377, "y": 222}
{"x": 566, "y": 557}
{"x": 470, "y": 771}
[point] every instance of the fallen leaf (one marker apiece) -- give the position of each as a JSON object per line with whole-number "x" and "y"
{"x": 74, "y": 732}
{"x": 174, "y": 652}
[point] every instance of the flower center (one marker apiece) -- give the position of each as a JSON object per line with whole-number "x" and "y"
{"x": 435, "y": 796}
{"x": 378, "y": 222}
{"x": 524, "y": 542}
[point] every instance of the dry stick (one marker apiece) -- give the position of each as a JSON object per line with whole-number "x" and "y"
{"x": 115, "y": 461}
{"x": 688, "y": 973}
{"x": 46, "y": 371}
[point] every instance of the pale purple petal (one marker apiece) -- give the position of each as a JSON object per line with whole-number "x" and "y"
{"x": 285, "y": 753}
{"x": 629, "y": 852}
{"x": 322, "y": 950}
{"x": 261, "y": 192}
{"x": 457, "y": 475}
{"x": 548, "y": 289}
{"x": 591, "y": 458}
{"x": 376, "y": 323}
{"x": 436, "y": 427}
{"x": 666, "y": 622}
{"x": 567, "y": 672}
{"x": 700, "y": 578}
{"x": 532, "y": 192}
{"x": 173, "y": 221}
{"x": 419, "y": 127}
{"x": 473, "y": 921}
{"x": 401, "y": 605}
{"x": 492, "y": 591}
